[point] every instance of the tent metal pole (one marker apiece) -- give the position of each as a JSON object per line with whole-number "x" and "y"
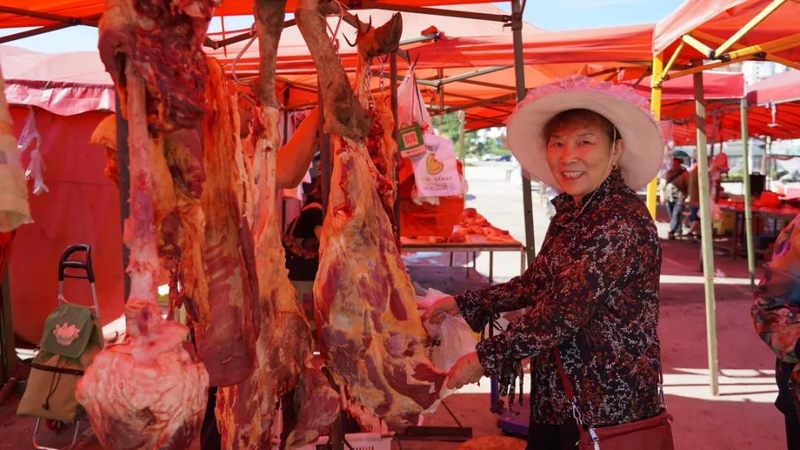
{"x": 706, "y": 230}
{"x": 655, "y": 108}
{"x": 757, "y": 19}
{"x": 8, "y": 355}
{"x": 519, "y": 72}
{"x": 767, "y": 162}
{"x": 123, "y": 167}
{"x": 442, "y": 12}
{"x": 748, "y": 197}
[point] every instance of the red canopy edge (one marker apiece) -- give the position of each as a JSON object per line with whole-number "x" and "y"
{"x": 780, "y": 88}
{"x": 49, "y": 12}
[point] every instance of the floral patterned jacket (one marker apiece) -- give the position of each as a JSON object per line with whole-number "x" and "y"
{"x": 776, "y": 313}
{"x": 592, "y": 294}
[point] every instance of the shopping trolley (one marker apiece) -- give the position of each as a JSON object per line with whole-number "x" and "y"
{"x": 71, "y": 338}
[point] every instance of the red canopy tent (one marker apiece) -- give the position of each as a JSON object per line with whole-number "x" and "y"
{"x": 781, "y": 88}
{"x": 775, "y": 102}
{"x": 66, "y": 96}
{"x": 51, "y": 13}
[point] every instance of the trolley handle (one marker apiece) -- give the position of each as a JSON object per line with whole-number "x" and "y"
{"x": 84, "y": 264}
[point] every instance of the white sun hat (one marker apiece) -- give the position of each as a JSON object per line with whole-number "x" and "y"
{"x": 626, "y": 109}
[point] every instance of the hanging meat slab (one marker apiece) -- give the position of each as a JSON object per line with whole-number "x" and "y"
{"x": 246, "y": 412}
{"x": 371, "y": 334}
{"x": 224, "y": 325}
{"x": 344, "y": 115}
{"x": 163, "y": 39}
{"x": 381, "y": 145}
{"x": 147, "y": 391}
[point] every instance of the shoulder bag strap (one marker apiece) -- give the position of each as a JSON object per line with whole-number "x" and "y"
{"x": 672, "y": 178}
{"x": 576, "y": 412}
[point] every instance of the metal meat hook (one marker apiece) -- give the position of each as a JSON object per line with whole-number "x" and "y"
{"x": 253, "y": 36}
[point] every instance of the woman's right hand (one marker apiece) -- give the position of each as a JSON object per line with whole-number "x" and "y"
{"x": 437, "y": 312}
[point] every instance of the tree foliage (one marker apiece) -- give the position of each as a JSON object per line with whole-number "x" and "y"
{"x": 475, "y": 142}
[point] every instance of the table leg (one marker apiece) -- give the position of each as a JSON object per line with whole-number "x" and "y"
{"x": 451, "y": 259}
{"x": 491, "y": 267}
{"x": 522, "y": 261}
{"x": 735, "y": 237}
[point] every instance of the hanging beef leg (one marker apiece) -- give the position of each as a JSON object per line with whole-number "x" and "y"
{"x": 344, "y": 116}
{"x": 148, "y": 391}
{"x": 370, "y": 332}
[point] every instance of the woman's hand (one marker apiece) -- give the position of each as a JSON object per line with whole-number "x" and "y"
{"x": 466, "y": 370}
{"x": 436, "y": 313}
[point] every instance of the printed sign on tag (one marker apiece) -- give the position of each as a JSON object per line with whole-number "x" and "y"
{"x": 409, "y": 140}
{"x": 436, "y": 170}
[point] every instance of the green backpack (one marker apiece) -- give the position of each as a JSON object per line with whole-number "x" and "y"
{"x": 72, "y": 337}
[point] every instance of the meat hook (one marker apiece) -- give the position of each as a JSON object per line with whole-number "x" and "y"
{"x": 253, "y": 36}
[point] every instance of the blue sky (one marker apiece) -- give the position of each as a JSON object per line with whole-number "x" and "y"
{"x": 546, "y": 14}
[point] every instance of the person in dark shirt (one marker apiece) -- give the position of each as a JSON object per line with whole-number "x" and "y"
{"x": 591, "y": 295}
{"x": 301, "y": 238}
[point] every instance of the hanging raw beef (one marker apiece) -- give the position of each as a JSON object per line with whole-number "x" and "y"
{"x": 245, "y": 412}
{"x": 149, "y": 391}
{"x": 370, "y": 332}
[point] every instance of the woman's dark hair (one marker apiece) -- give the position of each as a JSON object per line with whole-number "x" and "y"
{"x": 583, "y": 117}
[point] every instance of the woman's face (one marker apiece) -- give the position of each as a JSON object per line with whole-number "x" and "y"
{"x": 580, "y": 156}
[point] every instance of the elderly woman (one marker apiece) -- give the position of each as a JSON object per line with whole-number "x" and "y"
{"x": 592, "y": 292}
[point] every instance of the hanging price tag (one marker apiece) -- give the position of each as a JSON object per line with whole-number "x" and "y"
{"x": 409, "y": 140}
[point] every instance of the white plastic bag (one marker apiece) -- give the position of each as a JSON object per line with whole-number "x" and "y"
{"x": 410, "y": 106}
{"x": 436, "y": 170}
{"x": 453, "y": 337}
{"x": 31, "y": 139}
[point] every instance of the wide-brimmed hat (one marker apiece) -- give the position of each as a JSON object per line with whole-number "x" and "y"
{"x": 620, "y": 104}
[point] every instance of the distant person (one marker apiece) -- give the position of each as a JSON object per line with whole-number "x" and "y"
{"x": 674, "y": 189}
{"x": 693, "y": 201}
{"x": 776, "y": 316}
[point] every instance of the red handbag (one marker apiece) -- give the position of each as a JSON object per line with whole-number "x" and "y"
{"x": 654, "y": 433}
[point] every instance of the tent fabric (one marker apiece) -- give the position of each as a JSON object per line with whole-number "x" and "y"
{"x": 721, "y": 19}
{"x": 780, "y": 88}
{"x": 618, "y": 45}
{"x": 65, "y": 84}
{"x": 81, "y": 9}
{"x": 81, "y": 207}
{"x": 716, "y": 85}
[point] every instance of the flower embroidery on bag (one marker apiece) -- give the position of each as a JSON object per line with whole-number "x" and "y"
{"x": 66, "y": 333}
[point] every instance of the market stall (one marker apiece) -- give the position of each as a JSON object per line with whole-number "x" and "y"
{"x": 702, "y": 35}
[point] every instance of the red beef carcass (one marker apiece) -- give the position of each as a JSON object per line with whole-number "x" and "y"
{"x": 371, "y": 334}
{"x": 245, "y": 412}
{"x": 149, "y": 391}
